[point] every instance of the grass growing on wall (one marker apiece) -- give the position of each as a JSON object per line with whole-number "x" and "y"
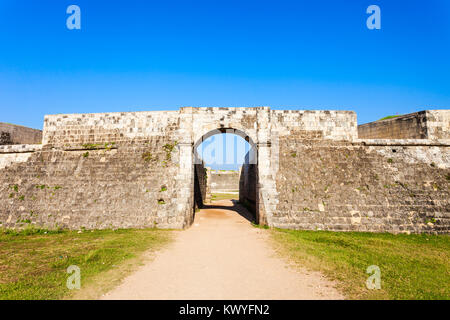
{"x": 412, "y": 266}
{"x": 33, "y": 264}
{"x": 389, "y": 117}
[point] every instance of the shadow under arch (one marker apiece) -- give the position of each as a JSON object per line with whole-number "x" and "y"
{"x": 248, "y": 180}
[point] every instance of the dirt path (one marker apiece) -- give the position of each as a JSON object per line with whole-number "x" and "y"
{"x": 222, "y": 256}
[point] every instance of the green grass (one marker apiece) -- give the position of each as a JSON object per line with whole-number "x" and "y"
{"x": 260, "y": 226}
{"x": 412, "y": 266}
{"x": 224, "y": 196}
{"x": 390, "y": 117}
{"x": 33, "y": 262}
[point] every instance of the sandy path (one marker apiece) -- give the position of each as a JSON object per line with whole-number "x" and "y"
{"x": 222, "y": 257}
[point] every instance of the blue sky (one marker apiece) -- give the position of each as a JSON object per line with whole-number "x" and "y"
{"x": 160, "y": 55}
{"x": 224, "y": 151}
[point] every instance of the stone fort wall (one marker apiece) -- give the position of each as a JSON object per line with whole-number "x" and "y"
{"x": 429, "y": 124}
{"x": 116, "y": 127}
{"x": 248, "y": 188}
{"x": 362, "y": 186}
{"x": 201, "y": 190}
{"x": 125, "y": 170}
{"x": 127, "y": 185}
{"x": 225, "y": 181}
{"x": 13, "y": 134}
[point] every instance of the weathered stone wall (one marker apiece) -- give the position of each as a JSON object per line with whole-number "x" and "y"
{"x": 129, "y": 128}
{"x": 248, "y": 186}
{"x": 200, "y": 185}
{"x": 5, "y": 138}
{"x": 438, "y": 124}
{"x": 125, "y": 185}
{"x": 334, "y": 125}
{"x": 14, "y": 134}
{"x": 430, "y": 124}
{"x": 108, "y": 127}
{"x": 190, "y": 125}
{"x": 10, "y": 154}
{"x": 363, "y": 186}
{"x": 224, "y": 181}
{"x": 310, "y": 171}
{"x": 208, "y": 184}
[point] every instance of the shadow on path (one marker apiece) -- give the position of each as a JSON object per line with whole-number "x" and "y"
{"x": 237, "y": 207}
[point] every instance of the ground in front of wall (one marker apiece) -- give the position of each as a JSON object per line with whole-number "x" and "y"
{"x": 33, "y": 263}
{"x": 411, "y": 266}
{"x": 222, "y": 256}
{"x": 224, "y": 196}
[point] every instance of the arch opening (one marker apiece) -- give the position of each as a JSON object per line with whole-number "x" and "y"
{"x": 226, "y": 168}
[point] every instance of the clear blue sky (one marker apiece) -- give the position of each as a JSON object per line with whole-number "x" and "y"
{"x": 156, "y": 55}
{"x": 223, "y": 151}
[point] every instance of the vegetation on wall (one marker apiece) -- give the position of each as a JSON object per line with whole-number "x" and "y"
{"x": 389, "y": 117}
{"x": 169, "y": 148}
{"x": 147, "y": 156}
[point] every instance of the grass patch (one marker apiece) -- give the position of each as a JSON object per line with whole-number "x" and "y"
{"x": 412, "y": 266}
{"x": 33, "y": 263}
{"x": 390, "y": 117}
{"x": 260, "y": 226}
{"x": 224, "y": 196}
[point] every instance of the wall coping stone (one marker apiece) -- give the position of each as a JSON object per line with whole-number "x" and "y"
{"x": 404, "y": 142}
{"x": 20, "y": 148}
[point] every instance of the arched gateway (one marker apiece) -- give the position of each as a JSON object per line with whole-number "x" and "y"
{"x": 136, "y": 169}
{"x": 248, "y": 180}
{"x": 252, "y": 124}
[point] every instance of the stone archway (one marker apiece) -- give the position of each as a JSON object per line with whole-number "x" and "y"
{"x": 248, "y": 179}
{"x": 251, "y": 123}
